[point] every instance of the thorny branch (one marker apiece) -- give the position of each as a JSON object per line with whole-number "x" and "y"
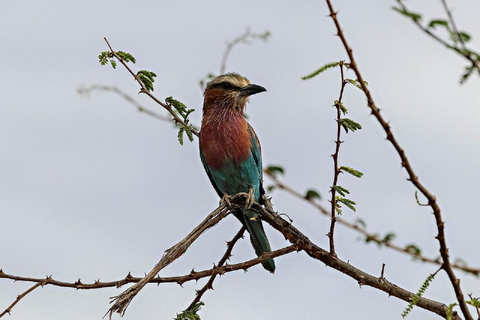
{"x": 223, "y": 260}
{"x": 432, "y": 201}
{"x": 336, "y": 168}
{"x": 97, "y": 284}
{"x": 20, "y": 296}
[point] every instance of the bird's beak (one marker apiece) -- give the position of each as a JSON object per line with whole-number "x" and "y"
{"x": 251, "y": 89}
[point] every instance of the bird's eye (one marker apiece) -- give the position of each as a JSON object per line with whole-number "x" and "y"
{"x": 227, "y": 86}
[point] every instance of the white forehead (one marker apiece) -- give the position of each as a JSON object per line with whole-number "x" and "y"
{"x": 234, "y": 79}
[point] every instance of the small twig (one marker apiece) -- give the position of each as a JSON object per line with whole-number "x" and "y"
{"x": 19, "y": 297}
{"x": 383, "y": 271}
{"x": 336, "y": 168}
{"x": 475, "y": 63}
{"x": 223, "y": 260}
{"x": 230, "y": 45}
{"x": 432, "y": 201}
{"x": 121, "y": 93}
{"x": 454, "y": 26}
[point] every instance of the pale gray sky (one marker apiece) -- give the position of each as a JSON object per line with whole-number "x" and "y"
{"x": 90, "y": 188}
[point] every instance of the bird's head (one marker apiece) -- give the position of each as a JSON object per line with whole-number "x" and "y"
{"x": 230, "y": 90}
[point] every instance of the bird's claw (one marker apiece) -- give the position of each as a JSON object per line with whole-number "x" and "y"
{"x": 226, "y": 199}
{"x": 250, "y": 199}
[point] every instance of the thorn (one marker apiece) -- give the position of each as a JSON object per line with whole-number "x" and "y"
{"x": 129, "y": 276}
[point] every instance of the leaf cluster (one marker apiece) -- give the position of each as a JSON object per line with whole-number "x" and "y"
{"x": 182, "y": 110}
{"x": 147, "y": 78}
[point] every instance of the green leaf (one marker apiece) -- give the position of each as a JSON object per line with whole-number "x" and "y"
{"x": 189, "y": 133}
{"x": 352, "y": 171}
{"x": 349, "y": 203}
{"x": 341, "y": 190}
{"x": 103, "y": 57}
{"x": 271, "y": 187}
{"x": 465, "y": 37}
{"x": 349, "y": 124}
{"x": 180, "y": 135}
{"x": 412, "y": 15}
{"x": 450, "y": 311}
{"x": 413, "y": 249}
{"x": 438, "y": 22}
{"x": 474, "y": 302}
{"x": 113, "y": 63}
{"x": 320, "y": 70}
{"x": 312, "y": 194}
{"x": 388, "y": 237}
{"x": 275, "y": 170}
{"x": 191, "y": 313}
{"x": 361, "y": 223}
{"x": 356, "y": 83}
{"x": 342, "y": 106}
{"x": 418, "y": 295}
{"x": 147, "y": 78}
{"x": 127, "y": 57}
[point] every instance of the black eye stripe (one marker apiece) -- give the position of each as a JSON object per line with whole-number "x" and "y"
{"x": 226, "y": 86}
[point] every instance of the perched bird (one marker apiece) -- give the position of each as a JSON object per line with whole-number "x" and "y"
{"x": 231, "y": 153}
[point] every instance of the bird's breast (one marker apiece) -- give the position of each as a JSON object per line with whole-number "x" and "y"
{"x": 225, "y": 140}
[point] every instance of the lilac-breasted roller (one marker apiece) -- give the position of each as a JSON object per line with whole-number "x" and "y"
{"x": 231, "y": 153}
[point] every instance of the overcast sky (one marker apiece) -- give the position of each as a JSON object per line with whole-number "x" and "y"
{"x": 92, "y": 189}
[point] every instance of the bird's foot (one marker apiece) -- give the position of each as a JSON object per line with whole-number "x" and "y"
{"x": 250, "y": 199}
{"x": 226, "y": 199}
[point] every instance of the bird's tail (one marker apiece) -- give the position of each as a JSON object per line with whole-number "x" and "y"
{"x": 258, "y": 237}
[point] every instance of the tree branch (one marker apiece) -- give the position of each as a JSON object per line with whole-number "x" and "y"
{"x": 368, "y": 235}
{"x": 406, "y": 164}
{"x": 223, "y": 260}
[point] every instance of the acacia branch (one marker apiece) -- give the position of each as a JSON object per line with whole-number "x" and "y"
{"x": 144, "y": 90}
{"x": 223, "y": 260}
{"x": 336, "y": 168}
{"x": 432, "y": 201}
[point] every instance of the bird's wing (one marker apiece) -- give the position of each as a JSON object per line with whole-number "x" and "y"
{"x": 256, "y": 150}
{"x": 220, "y": 194}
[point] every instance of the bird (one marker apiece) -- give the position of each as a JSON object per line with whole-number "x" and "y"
{"x": 231, "y": 153}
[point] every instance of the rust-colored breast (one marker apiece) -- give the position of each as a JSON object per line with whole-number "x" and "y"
{"x": 224, "y": 137}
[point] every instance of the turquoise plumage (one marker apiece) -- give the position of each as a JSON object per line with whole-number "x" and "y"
{"x": 230, "y": 151}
